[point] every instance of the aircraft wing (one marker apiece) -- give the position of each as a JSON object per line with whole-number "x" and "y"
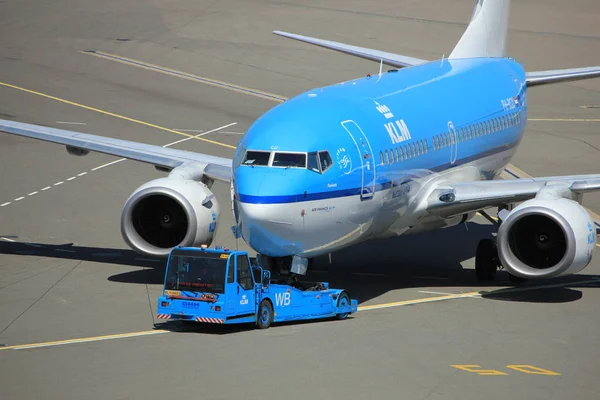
{"x": 395, "y": 60}
{"x": 448, "y": 199}
{"x": 561, "y": 75}
{"x": 81, "y": 143}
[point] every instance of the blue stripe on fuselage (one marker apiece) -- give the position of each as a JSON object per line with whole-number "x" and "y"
{"x": 296, "y": 198}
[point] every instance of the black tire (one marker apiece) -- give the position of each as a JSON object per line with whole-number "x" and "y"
{"x": 264, "y": 317}
{"x": 343, "y": 299}
{"x": 486, "y": 262}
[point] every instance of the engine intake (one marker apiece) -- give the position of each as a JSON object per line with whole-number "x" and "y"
{"x": 544, "y": 238}
{"x": 169, "y": 212}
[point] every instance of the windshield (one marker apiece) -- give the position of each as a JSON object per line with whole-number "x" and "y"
{"x": 257, "y": 158}
{"x": 293, "y": 160}
{"x": 196, "y": 272}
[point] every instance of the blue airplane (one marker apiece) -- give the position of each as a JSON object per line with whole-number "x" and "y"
{"x": 410, "y": 150}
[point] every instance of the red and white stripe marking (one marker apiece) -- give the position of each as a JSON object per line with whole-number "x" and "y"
{"x": 163, "y": 316}
{"x": 209, "y": 320}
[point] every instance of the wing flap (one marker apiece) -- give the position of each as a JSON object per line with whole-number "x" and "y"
{"x": 394, "y": 60}
{"x": 80, "y": 143}
{"x": 452, "y": 199}
{"x": 561, "y": 75}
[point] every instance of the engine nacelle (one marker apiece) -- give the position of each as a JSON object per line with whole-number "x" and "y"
{"x": 545, "y": 238}
{"x": 169, "y": 212}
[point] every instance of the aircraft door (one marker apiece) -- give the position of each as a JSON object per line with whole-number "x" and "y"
{"x": 453, "y": 142}
{"x": 244, "y": 293}
{"x": 365, "y": 153}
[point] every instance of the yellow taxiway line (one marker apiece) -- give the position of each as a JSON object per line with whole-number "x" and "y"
{"x": 83, "y": 340}
{"x": 481, "y": 294}
{"x": 137, "y": 121}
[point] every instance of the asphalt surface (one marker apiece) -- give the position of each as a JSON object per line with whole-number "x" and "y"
{"x": 70, "y": 286}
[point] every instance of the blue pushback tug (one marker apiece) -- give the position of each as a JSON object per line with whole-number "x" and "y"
{"x": 221, "y": 286}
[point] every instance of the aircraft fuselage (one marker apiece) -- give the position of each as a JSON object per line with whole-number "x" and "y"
{"x": 388, "y": 138}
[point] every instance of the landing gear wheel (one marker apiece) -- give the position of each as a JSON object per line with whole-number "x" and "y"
{"x": 264, "y": 318}
{"x": 486, "y": 260}
{"x": 343, "y": 300}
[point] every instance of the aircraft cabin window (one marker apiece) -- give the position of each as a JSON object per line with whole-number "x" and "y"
{"x": 426, "y": 146}
{"x": 387, "y": 157}
{"x": 289, "y": 160}
{"x": 325, "y": 160}
{"x": 396, "y": 153}
{"x": 257, "y": 157}
{"x": 404, "y": 155}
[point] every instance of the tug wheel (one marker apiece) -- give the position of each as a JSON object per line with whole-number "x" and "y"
{"x": 343, "y": 300}
{"x": 264, "y": 318}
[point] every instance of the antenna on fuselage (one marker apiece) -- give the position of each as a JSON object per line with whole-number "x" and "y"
{"x": 380, "y": 70}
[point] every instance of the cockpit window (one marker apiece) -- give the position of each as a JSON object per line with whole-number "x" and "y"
{"x": 325, "y": 160}
{"x": 313, "y": 162}
{"x": 257, "y": 158}
{"x": 290, "y": 160}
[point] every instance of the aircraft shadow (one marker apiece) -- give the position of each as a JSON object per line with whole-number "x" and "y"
{"x": 434, "y": 259}
{"x": 367, "y": 271}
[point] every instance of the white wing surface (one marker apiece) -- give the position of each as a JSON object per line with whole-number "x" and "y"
{"x": 447, "y": 199}
{"x": 561, "y": 75}
{"x": 395, "y": 60}
{"x": 81, "y": 143}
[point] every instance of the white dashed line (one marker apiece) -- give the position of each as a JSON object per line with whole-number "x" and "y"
{"x": 7, "y": 239}
{"x": 109, "y": 164}
{"x": 202, "y": 133}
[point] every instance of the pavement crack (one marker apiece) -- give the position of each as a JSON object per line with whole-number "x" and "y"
{"x": 566, "y": 137}
{"x": 42, "y": 296}
{"x": 149, "y": 303}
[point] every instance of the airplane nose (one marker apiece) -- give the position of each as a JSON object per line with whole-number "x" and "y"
{"x": 266, "y": 230}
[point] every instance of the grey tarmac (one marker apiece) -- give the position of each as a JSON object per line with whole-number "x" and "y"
{"x": 66, "y": 274}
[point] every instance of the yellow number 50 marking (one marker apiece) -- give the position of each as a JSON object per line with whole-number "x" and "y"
{"x": 475, "y": 368}
{"x": 530, "y": 369}
{"x": 524, "y": 368}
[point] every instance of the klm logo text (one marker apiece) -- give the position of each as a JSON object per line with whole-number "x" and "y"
{"x": 398, "y": 131}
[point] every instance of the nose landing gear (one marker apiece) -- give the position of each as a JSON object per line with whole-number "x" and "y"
{"x": 284, "y": 269}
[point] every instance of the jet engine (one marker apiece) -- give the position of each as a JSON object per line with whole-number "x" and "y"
{"x": 546, "y": 237}
{"x": 169, "y": 212}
